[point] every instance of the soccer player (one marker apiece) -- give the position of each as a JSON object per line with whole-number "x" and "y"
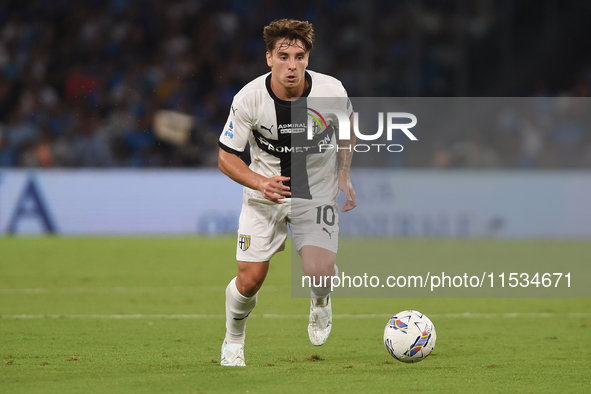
{"x": 284, "y": 185}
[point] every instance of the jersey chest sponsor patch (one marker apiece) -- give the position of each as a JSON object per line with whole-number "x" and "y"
{"x": 292, "y": 128}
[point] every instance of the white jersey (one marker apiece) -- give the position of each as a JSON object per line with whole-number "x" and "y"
{"x": 277, "y": 137}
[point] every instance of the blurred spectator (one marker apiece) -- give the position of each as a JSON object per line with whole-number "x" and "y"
{"x": 81, "y": 80}
{"x": 8, "y": 154}
{"x": 89, "y": 148}
{"x": 40, "y": 153}
{"x": 473, "y": 152}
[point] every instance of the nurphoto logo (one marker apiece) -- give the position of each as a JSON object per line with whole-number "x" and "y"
{"x": 317, "y": 123}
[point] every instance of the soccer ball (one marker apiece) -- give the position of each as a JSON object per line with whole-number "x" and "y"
{"x": 409, "y": 336}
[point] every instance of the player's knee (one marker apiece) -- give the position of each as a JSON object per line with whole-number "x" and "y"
{"x": 320, "y": 281}
{"x": 249, "y": 288}
{"x": 319, "y": 269}
{"x": 249, "y": 285}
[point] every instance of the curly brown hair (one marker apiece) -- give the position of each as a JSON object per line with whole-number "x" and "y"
{"x": 292, "y": 30}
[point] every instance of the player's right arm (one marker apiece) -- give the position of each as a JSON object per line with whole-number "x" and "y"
{"x": 271, "y": 188}
{"x": 232, "y": 143}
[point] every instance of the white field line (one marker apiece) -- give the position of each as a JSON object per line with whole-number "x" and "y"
{"x": 273, "y": 316}
{"x": 121, "y": 289}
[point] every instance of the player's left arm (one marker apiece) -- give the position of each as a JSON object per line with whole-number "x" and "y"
{"x": 344, "y": 158}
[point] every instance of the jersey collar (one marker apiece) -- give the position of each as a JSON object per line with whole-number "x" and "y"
{"x": 285, "y": 102}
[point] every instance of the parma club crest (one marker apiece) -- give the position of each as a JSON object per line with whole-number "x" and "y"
{"x": 244, "y": 242}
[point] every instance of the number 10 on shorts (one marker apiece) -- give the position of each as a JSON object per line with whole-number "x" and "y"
{"x": 325, "y": 214}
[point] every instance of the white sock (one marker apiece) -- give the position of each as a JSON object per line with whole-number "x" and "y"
{"x": 238, "y": 307}
{"x": 320, "y": 295}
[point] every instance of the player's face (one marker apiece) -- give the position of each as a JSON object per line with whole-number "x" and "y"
{"x": 288, "y": 63}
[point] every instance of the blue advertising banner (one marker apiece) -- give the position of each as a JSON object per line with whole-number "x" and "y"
{"x": 391, "y": 203}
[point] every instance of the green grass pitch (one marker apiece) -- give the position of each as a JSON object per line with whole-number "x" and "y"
{"x": 130, "y": 315}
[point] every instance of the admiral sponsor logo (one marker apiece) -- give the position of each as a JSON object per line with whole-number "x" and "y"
{"x": 292, "y": 128}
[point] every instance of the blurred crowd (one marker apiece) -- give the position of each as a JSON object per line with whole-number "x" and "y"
{"x": 82, "y": 82}
{"x": 536, "y": 132}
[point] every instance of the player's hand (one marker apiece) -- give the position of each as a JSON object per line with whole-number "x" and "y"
{"x": 347, "y": 187}
{"x": 273, "y": 189}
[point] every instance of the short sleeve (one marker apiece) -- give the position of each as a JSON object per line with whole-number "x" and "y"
{"x": 237, "y": 128}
